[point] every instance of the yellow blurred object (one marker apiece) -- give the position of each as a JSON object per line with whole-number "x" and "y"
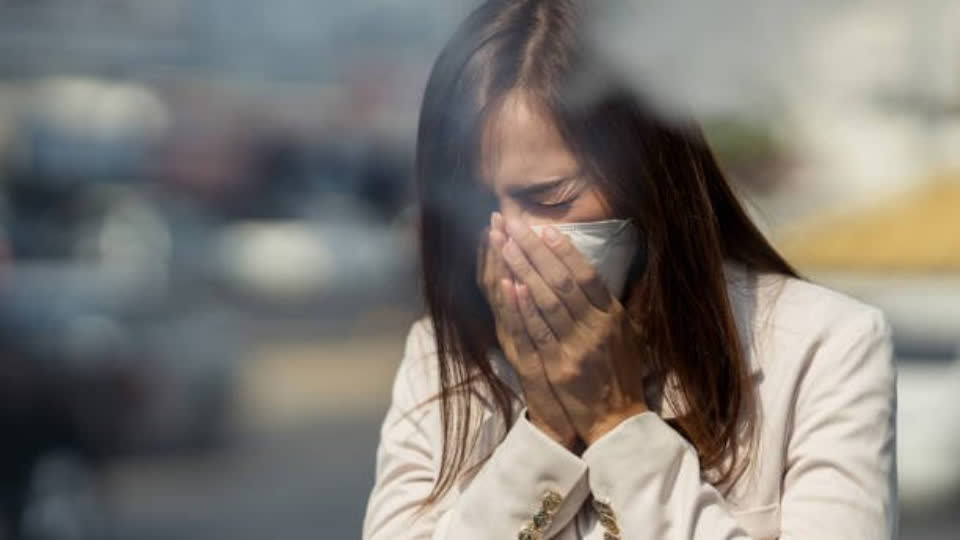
{"x": 918, "y": 232}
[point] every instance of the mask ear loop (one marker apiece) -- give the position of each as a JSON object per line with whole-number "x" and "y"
{"x": 615, "y": 235}
{"x": 626, "y": 223}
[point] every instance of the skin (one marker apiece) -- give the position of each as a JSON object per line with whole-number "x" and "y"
{"x": 568, "y": 339}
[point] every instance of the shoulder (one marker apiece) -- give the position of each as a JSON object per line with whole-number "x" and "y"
{"x": 808, "y": 310}
{"x": 797, "y": 325}
{"x": 417, "y": 377}
{"x": 801, "y": 296}
{"x": 847, "y": 344}
{"x": 420, "y": 367}
{"x": 421, "y": 340}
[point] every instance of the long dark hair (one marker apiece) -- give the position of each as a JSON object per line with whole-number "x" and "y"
{"x": 657, "y": 170}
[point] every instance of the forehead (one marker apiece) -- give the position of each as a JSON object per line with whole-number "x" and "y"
{"x": 521, "y": 145}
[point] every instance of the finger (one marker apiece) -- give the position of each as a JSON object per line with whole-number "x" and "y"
{"x": 498, "y": 266}
{"x": 537, "y": 328}
{"x": 483, "y": 259}
{"x": 497, "y": 222}
{"x": 584, "y": 273}
{"x": 553, "y": 309}
{"x": 489, "y": 268}
{"x": 498, "y": 272}
{"x": 513, "y": 320}
{"x": 499, "y": 239}
{"x": 551, "y": 268}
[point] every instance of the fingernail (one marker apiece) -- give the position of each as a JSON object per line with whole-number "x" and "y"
{"x": 551, "y": 235}
{"x": 497, "y": 220}
{"x": 511, "y": 251}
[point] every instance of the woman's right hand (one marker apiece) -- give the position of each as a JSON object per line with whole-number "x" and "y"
{"x": 496, "y": 280}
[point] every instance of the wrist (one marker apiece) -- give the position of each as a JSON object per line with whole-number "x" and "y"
{"x": 570, "y": 441}
{"x": 610, "y": 421}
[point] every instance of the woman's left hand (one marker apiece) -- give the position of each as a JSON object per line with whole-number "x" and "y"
{"x": 589, "y": 345}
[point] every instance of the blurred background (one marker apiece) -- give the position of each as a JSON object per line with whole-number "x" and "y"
{"x": 207, "y": 255}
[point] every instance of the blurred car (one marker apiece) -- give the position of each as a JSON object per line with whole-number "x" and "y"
{"x": 94, "y": 363}
{"x": 928, "y": 426}
{"x": 344, "y": 262}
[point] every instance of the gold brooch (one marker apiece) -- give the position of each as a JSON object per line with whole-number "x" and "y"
{"x": 549, "y": 503}
{"x": 607, "y": 519}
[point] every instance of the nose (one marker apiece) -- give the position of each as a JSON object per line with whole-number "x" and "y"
{"x": 510, "y": 210}
{"x": 516, "y": 212}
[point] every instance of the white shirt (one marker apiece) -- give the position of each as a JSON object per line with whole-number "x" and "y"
{"x": 824, "y": 468}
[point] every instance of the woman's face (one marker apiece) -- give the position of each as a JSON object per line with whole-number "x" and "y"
{"x": 532, "y": 173}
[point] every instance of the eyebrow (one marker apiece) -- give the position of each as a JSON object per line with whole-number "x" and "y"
{"x": 541, "y": 187}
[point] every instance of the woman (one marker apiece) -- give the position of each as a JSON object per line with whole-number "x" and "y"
{"x": 617, "y": 352}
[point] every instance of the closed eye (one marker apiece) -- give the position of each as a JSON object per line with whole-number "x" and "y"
{"x": 564, "y": 204}
{"x": 563, "y": 199}
{"x": 550, "y": 208}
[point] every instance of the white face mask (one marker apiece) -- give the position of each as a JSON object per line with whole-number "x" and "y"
{"x": 609, "y": 245}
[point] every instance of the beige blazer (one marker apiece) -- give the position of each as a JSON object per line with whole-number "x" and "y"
{"x": 824, "y": 466}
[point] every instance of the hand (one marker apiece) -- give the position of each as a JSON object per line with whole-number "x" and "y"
{"x": 494, "y": 278}
{"x": 589, "y": 346}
